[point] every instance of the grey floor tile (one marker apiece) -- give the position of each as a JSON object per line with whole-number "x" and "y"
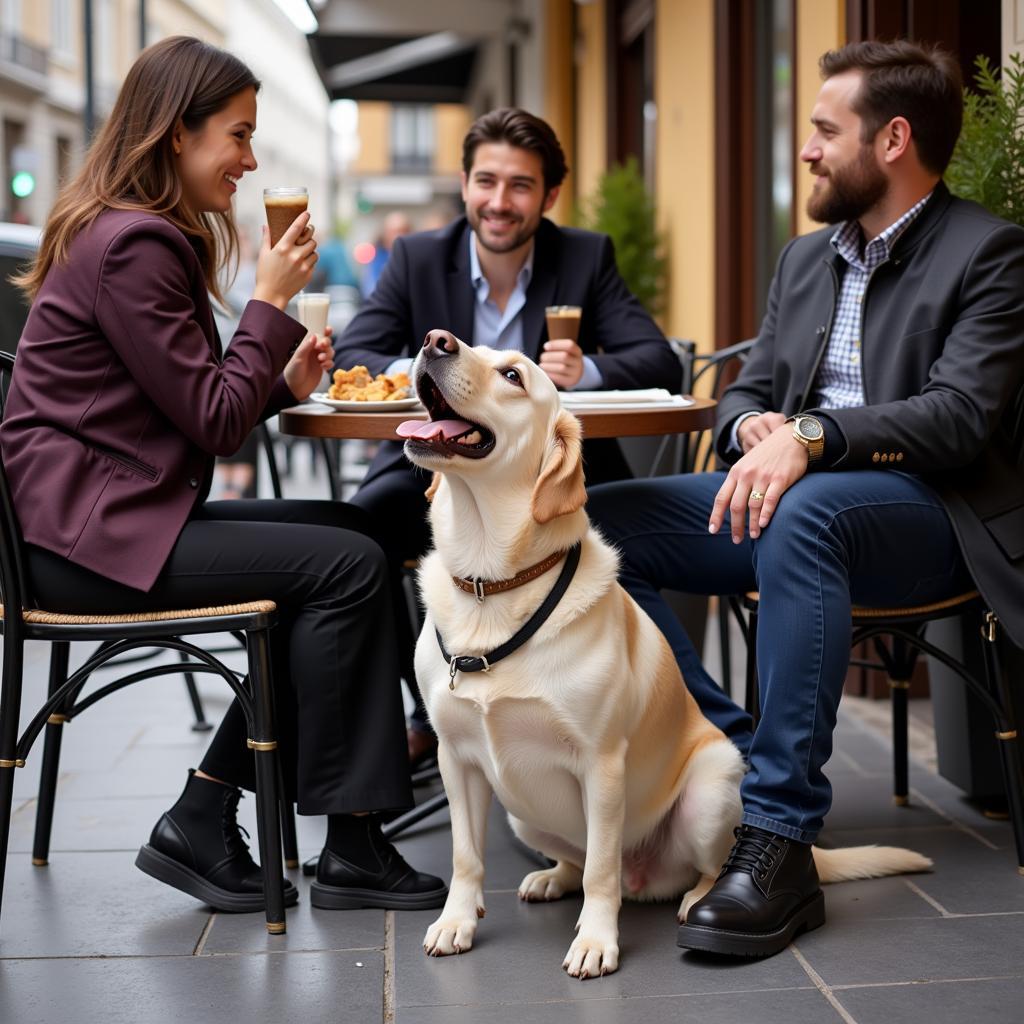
{"x": 518, "y": 941}
{"x": 874, "y": 952}
{"x": 875, "y": 899}
{"x": 308, "y": 929}
{"x": 307, "y": 987}
{"x": 95, "y": 904}
{"x": 860, "y": 802}
{"x": 805, "y": 1006}
{"x": 940, "y": 1002}
{"x": 96, "y": 824}
{"x": 968, "y": 878}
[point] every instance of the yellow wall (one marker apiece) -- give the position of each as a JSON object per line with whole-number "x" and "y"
{"x": 558, "y": 93}
{"x": 820, "y": 26}
{"x": 374, "y": 139}
{"x": 591, "y": 91}
{"x": 451, "y": 122}
{"x": 684, "y": 93}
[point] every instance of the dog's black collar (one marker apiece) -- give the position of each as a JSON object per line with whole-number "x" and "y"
{"x": 464, "y": 663}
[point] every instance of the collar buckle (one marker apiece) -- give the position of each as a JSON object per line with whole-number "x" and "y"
{"x": 478, "y": 590}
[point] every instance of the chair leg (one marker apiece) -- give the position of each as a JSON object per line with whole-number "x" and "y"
{"x": 200, "y": 724}
{"x": 752, "y": 700}
{"x": 900, "y": 747}
{"x": 418, "y": 813}
{"x": 1007, "y": 732}
{"x": 288, "y": 831}
{"x": 50, "y": 767}
{"x": 724, "y": 645}
{"x": 10, "y": 712}
{"x": 264, "y": 746}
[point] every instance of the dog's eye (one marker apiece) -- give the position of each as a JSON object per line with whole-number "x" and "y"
{"x": 511, "y": 374}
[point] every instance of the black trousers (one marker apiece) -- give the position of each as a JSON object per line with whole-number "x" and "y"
{"x": 339, "y": 708}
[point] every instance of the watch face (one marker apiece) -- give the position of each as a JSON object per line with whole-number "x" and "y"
{"x": 810, "y": 428}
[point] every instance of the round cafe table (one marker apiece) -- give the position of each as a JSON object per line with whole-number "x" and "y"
{"x": 313, "y": 420}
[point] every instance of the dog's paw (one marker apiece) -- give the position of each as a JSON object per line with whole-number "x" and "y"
{"x": 449, "y": 935}
{"x": 590, "y": 958}
{"x": 551, "y": 883}
{"x": 698, "y": 892}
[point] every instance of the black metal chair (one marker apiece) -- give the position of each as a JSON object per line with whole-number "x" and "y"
{"x": 897, "y": 635}
{"x": 120, "y": 634}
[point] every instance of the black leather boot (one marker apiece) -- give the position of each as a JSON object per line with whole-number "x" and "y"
{"x": 197, "y": 847}
{"x": 380, "y": 879}
{"x": 766, "y": 894}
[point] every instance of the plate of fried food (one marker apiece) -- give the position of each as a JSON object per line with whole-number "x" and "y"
{"x": 357, "y": 390}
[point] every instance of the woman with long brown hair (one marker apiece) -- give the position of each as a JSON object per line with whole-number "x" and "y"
{"x": 120, "y": 400}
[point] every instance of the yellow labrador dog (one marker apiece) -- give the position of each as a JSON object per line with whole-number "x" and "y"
{"x": 584, "y": 731}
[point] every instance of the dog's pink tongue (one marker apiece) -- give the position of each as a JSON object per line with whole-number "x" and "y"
{"x": 447, "y": 429}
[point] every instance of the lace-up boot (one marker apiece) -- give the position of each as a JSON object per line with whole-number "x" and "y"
{"x": 197, "y": 847}
{"x": 766, "y": 894}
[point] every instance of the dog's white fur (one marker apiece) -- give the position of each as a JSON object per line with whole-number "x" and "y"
{"x": 587, "y": 734}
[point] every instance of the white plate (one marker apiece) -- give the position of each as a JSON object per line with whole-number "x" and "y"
{"x": 397, "y": 405}
{"x": 641, "y": 398}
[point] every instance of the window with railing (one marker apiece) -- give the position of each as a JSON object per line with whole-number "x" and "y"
{"x": 412, "y": 138}
{"x": 61, "y": 28}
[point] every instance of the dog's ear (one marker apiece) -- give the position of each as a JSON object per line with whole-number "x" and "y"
{"x": 435, "y": 482}
{"x": 560, "y": 488}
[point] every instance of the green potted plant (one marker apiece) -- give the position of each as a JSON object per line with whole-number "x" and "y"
{"x": 988, "y": 163}
{"x": 622, "y": 208}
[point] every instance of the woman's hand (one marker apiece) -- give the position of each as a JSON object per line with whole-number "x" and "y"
{"x": 306, "y": 367}
{"x": 286, "y": 268}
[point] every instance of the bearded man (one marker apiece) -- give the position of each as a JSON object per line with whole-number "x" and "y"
{"x": 487, "y": 277}
{"x": 875, "y": 451}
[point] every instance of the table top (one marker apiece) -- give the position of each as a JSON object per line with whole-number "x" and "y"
{"x": 320, "y": 421}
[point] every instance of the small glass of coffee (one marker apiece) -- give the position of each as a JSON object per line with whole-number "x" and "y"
{"x": 563, "y": 321}
{"x": 283, "y": 206}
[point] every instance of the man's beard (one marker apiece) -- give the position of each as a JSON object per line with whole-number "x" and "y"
{"x": 850, "y": 191}
{"x": 524, "y": 231}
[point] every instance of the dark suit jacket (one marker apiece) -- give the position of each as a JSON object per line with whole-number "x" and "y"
{"x": 426, "y": 284}
{"x": 943, "y": 370}
{"x": 121, "y": 398}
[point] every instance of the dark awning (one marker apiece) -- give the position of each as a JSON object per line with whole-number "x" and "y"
{"x": 417, "y": 51}
{"x": 434, "y": 68}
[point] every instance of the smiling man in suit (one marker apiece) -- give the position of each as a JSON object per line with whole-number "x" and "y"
{"x": 487, "y": 278}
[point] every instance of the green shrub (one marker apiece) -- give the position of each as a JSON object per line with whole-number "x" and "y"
{"x": 988, "y": 163}
{"x": 622, "y": 208}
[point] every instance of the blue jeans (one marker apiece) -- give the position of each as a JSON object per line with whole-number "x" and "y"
{"x": 836, "y": 539}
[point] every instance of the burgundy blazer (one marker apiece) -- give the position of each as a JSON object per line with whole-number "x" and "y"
{"x": 122, "y": 396}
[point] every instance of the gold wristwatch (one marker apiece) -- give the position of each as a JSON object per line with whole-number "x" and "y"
{"x": 811, "y": 434}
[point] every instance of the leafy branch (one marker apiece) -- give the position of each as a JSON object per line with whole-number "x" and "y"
{"x": 988, "y": 163}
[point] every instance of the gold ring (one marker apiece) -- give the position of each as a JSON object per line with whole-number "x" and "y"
{"x": 756, "y": 496}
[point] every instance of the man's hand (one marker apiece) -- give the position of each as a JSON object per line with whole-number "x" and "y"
{"x": 758, "y": 481}
{"x": 306, "y": 367}
{"x": 562, "y": 360}
{"x": 755, "y": 429}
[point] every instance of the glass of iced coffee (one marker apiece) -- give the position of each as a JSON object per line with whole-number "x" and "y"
{"x": 283, "y": 206}
{"x": 563, "y": 321}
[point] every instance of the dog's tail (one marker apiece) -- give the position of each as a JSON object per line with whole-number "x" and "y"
{"x": 867, "y": 862}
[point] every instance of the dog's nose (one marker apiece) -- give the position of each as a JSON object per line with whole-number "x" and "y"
{"x": 440, "y": 343}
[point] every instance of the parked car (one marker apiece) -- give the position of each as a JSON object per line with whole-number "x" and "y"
{"x": 18, "y": 244}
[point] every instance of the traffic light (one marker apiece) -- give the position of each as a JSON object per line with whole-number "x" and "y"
{"x": 23, "y": 184}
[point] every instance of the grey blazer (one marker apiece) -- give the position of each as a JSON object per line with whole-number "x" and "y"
{"x": 942, "y": 361}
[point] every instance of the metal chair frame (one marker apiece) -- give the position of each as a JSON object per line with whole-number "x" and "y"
{"x": 904, "y": 628}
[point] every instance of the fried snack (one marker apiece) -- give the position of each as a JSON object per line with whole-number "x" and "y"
{"x": 356, "y": 385}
